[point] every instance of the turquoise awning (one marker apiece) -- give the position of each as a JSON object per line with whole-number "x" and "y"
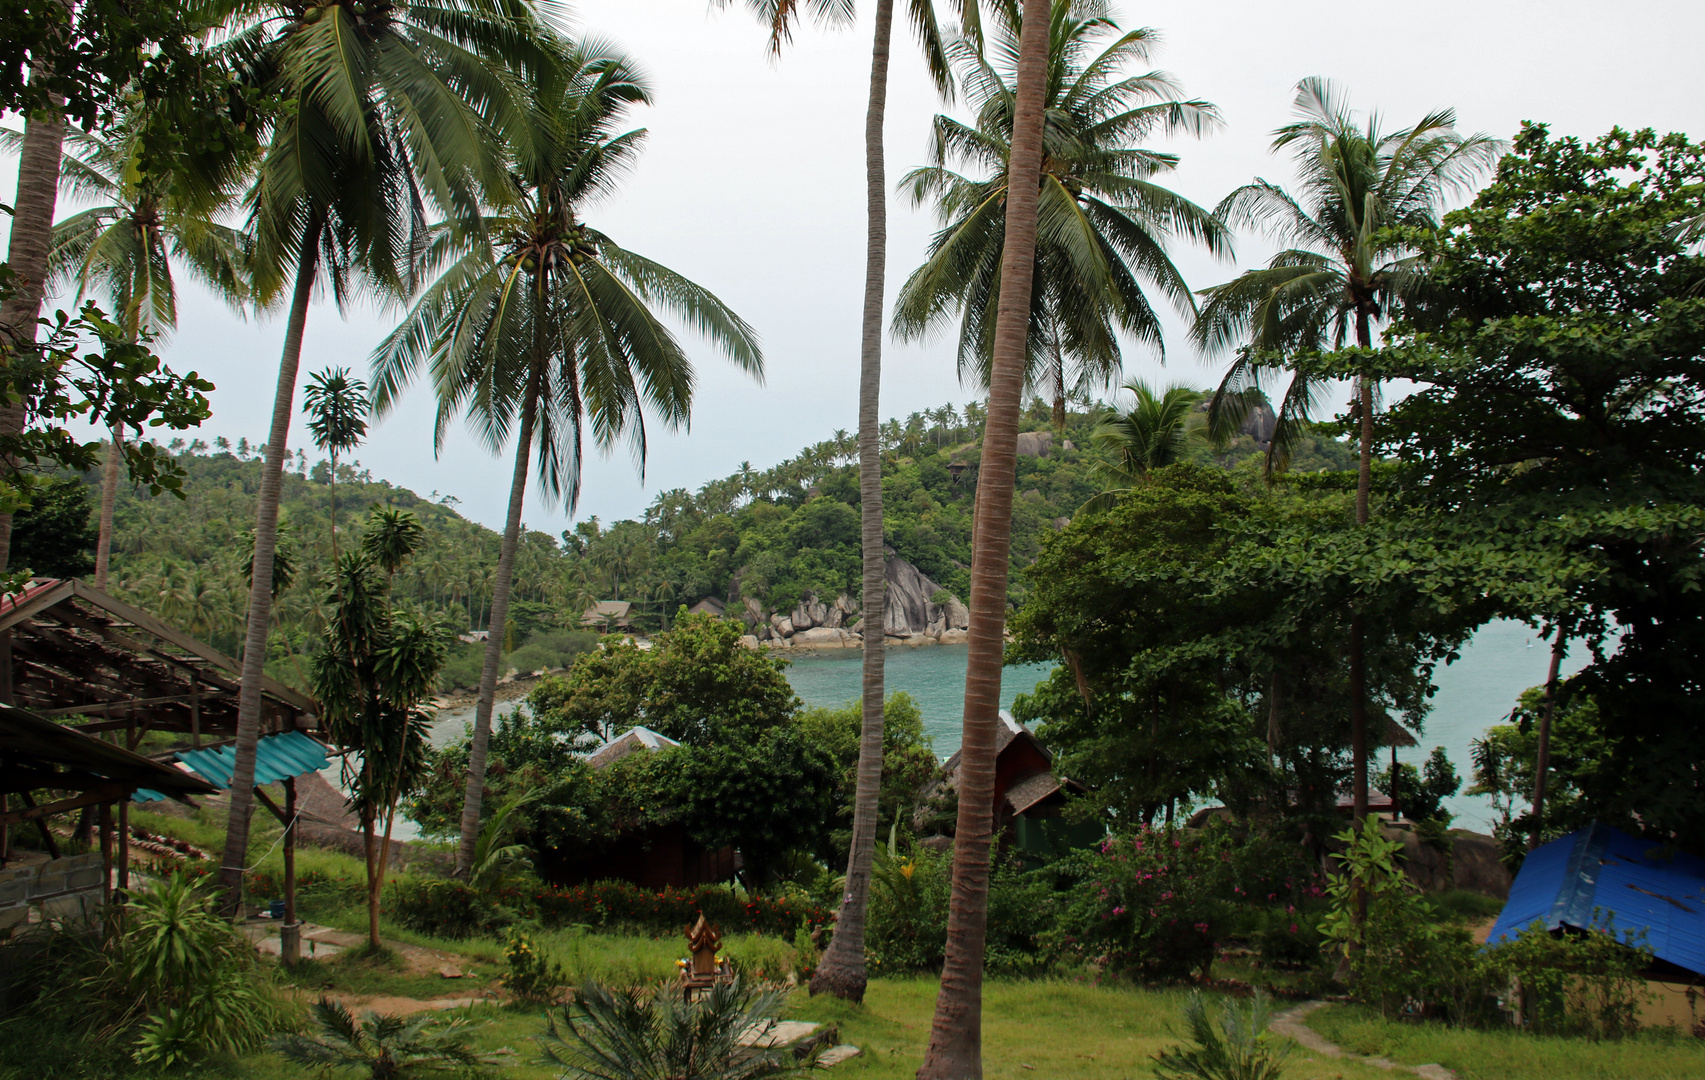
{"x": 277, "y": 757}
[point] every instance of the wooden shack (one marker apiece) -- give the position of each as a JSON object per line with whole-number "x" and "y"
{"x": 86, "y": 660}
{"x": 1029, "y": 796}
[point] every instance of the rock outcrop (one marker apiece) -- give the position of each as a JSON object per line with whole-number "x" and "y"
{"x": 912, "y": 615}
{"x": 1035, "y": 443}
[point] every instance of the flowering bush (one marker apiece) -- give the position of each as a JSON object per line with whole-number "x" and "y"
{"x": 1145, "y": 904}
{"x": 533, "y": 977}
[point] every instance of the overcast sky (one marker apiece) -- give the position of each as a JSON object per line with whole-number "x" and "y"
{"x": 752, "y": 184}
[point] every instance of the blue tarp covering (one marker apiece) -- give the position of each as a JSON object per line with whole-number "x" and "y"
{"x": 289, "y": 753}
{"x": 1603, "y": 869}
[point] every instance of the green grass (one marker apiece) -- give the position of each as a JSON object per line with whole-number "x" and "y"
{"x": 1513, "y": 1055}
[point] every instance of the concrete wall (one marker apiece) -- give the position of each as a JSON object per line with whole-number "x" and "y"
{"x": 65, "y": 889}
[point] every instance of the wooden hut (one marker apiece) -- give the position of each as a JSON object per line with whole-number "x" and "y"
{"x": 1028, "y": 794}
{"x": 75, "y": 655}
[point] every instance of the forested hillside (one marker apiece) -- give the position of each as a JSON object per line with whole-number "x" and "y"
{"x": 770, "y": 536}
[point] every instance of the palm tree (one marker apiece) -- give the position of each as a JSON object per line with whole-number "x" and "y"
{"x": 1150, "y": 435}
{"x": 955, "y": 1046}
{"x": 381, "y": 117}
{"x": 1105, "y": 224}
{"x": 337, "y": 411}
{"x": 552, "y": 330}
{"x": 842, "y": 971}
{"x": 1347, "y": 265}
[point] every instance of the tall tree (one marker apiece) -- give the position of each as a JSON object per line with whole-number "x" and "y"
{"x": 1105, "y": 224}
{"x": 842, "y": 971}
{"x": 956, "y": 1035}
{"x": 377, "y": 666}
{"x": 1349, "y": 262}
{"x": 337, "y": 410}
{"x": 380, "y": 116}
{"x": 552, "y": 329}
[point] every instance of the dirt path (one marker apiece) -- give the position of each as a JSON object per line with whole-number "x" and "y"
{"x": 449, "y": 966}
{"x": 1290, "y": 1024}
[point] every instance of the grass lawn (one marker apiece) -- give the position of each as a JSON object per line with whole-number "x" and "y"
{"x": 1511, "y": 1055}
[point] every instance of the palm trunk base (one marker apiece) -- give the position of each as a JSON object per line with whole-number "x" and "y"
{"x": 839, "y": 980}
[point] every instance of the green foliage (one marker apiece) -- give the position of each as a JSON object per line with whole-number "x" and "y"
{"x": 639, "y": 1033}
{"x": 1236, "y": 1048}
{"x": 1422, "y": 792}
{"x": 1506, "y": 760}
{"x": 532, "y": 977}
{"x": 55, "y": 535}
{"x": 1576, "y": 983}
{"x": 385, "y": 1047}
{"x": 172, "y": 984}
{"x": 908, "y": 762}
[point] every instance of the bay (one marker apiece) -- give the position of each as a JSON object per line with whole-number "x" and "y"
{"x": 1503, "y": 659}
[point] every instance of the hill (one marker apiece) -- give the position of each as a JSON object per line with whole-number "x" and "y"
{"x": 767, "y": 544}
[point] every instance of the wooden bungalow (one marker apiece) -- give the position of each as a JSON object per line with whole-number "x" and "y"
{"x": 1029, "y": 796}
{"x": 608, "y": 615}
{"x": 654, "y": 858}
{"x": 88, "y": 661}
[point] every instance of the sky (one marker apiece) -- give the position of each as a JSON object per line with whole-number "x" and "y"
{"x": 751, "y": 183}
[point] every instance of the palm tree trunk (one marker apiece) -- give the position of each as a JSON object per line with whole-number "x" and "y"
{"x": 109, "y": 496}
{"x": 260, "y": 587}
{"x": 956, "y": 1038}
{"x": 1358, "y": 661}
{"x": 475, "y": 792}
{"x": 1542, "y": 765}
{"x": 370, "y": 844}
{"x": 842, "y": 971}
{"x": 32, "y": 236}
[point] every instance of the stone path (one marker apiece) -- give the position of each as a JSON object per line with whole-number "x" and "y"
{"x": 1290, "y": 1024}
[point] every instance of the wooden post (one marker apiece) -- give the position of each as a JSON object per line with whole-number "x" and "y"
{"x": 124, "y": 846}
{"x": 194, "y": 711}
{"x": 106, "y": 850}
{"x": 1543, "y": 764}
{"x": 47, "y": 839}
{"x": 5, "y": 833}
{"x": 1396, "y": 807}
{"x": 290, "y": 935}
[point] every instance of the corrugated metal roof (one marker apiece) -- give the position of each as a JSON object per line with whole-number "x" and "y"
{"x": 1563, "y": 884}
{"x": 277, "y": 757}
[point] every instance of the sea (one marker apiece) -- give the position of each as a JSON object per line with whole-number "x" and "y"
{"x": 1479, "y": 690}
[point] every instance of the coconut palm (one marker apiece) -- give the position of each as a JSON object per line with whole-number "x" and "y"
{"x": 542, "y": 327}
{"x": 1150, "y": 435}
{"x": 337, "y": 409}
{"x": 955, "y": 1047}
{"x": 1346, "y": 265}
{"x": 1106, "y": 225}
{"x": 124, "y": 248}
{"x": 842, "y": 971}
{"x": 382, "y": 117}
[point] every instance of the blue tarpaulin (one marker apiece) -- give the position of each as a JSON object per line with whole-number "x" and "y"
{"x": 1575, "y": 881}
{"x": 289, "y": 753}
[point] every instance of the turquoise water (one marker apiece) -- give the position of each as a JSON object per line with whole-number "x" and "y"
{"x": 1477, "y": 691}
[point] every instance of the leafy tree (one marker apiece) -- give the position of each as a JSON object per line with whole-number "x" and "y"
{"x": 1105, "y": 223}
{"x": 1350, "y": 260}
{"x": 376, "y": 669}
{"x": 1421, "y": 792}
{"x": 908, "y": 763}
{"x": 1558, "y": 412}
{"x": 380, "y": 116}
{"x": 556, "y": 327}
{"x": 55, "y": 536}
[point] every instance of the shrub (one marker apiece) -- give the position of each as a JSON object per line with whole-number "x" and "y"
{"x": 1147, "y": 904}
{"x": 1237, "y": 1048}
{"x": 907, "y": 920}
{"x": 452, "y": 909}
{"x": 386, "y": 1047}
{"x": 533, "y": 976}
{"x": 1579, "y": 983}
